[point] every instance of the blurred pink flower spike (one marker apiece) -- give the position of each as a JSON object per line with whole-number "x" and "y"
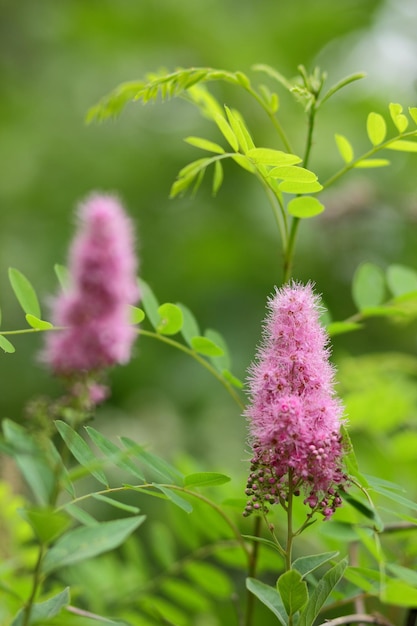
{"x": 94, "y": 311}
{"x": 295, "y": 418}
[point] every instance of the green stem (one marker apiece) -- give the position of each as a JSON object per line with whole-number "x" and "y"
{"x": 290, "y": 534}
{"x": 253, "y": 562}
{"x": 37, "y": 579}
{"x": 272, "y": 118}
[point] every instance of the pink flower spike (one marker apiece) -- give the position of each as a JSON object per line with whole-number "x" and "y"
{"x": 295, "y": 418}
{"x": 94, "y": 311}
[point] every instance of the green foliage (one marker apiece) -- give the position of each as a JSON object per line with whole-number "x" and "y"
{"x": 293, "y": 591}
{"x": 24, "y": 292}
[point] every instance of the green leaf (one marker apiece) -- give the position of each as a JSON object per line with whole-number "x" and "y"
{"x": 217, "y": 177}
{"x": 6, "y": 345}
{"x": 175, "y": 498}
{"x": 404, "y": 573}
{"x": 345, "y": 148}
{"x": 304, "y": 207}
{"x": 293, "y": 591}
{"x": 235, "y": 121}
{"x": 401, "y": 280}
{"x": 186, "y": 595}
{"x": 413, "y": 113}
{"x": 293, "y": 173}
{"x": 233, "y": 380}
{"x": 205, "y": 479}
{"x": 137, "y": 315}
{"x": 46, "y": 523}
{"x": 321, "y": 592}
{"x": 339, "y": 328}
{"x": 36, "y": 323}
{"x": 44, "y": 611}
{"x": 204, "y": 144}
{"x": 368, "y": 286}
{"x": 220, "y": 362}
{"x": 289, "y": 186}
{"x": 269, "y": 597}
{"x": 369, "y": 163}
{"x": 89, "y": 541}
{"x": 150, "y": 303}
{"x": 209, "y": 578}
{"x": 80, "y": 515}
{"x": 399, "y": 593}
{"x": 190, "y": 327}
{"x": 24, "y": 292}
{"x": 114, "y": 454}
{"x": 268, "y": 156}
{"x": 376, "y": 128}
{"x": 63, "y": 276}
{"x": 227, "y": 131}
{"x": 403, "y": 145}
{"x": 342, "y": 83}
{"x": 116, "y": 503}
{"x": 81, "y": 451}
{"x": 400, "y": 120}
{"x": 307, "y": 564}
{"x": 171, "y": 319}
{"x": 244, "y": 162}
{"x": 161, "y": 467}
{"x": 205, "y": 346}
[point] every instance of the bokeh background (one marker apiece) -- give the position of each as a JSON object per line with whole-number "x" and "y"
{"x": 219, "y": 256}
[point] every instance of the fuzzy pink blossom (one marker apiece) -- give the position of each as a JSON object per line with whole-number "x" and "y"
{"x": 94, "y": 311}
{"x": 295, "y": 418}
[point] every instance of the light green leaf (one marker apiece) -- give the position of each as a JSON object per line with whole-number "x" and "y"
{"x": 341, "y": 84}
{"x": 217, "y": 177}
{"x": 304, "y": 207}
{"x": 81, "y": 451}
{"x": 205, "y": 346}
{"x": 46, "y": 523}
{"x": 339, "y": 328}
{"x": 376, "y": 128}
{"x": 115, "y": 503}
{"x": 205, "y": 479}
{"x": 63, "y": 275}
{"x": 368, "y": 286}
{"x": 161, "y": 467}
{"x": 403, "y": 145}
{"x": 234, "y": 120}
{"x": 175, "y": 498}
{"x": 307, "y": 564}
{"x": 227, "y": 131}
{"x": 269, "y": 597}
{"x": 222, "y": 362}
{"x": 268, "y": 156}
{"x": 209, "y": 578}
{"x": 114, "y": 454}
{"x": 289, "y": 186}
{"x": 24, "y": 292}
{"x": 404, "y": 573}
{"x": 293, "y": 591}
{"x": 150, "y": 303}
{"x": 400, "y": 120}
{"x": 137, "y": 315}
{"x": 321, "y": 592}
{"x": 171, "y": 319}
{"x": 369, "y": 163}
{"x": 399, "y": 593}
{"x": 204, "y": 144}
{"x": 190, "y": 327}
{"x": 244, "y": 162}
{"x": 89, "y": 541}
{"x": 345, "y": 148}
{"x": 413, "y": 113}
{"x": 233, "y": 380}
{"x": 401, "y": 280}
{"x": 186, "y": 595}
{"x": 6, "y": 345}
{"x": 36, "y": 323}
{"x": 293, "y": 173}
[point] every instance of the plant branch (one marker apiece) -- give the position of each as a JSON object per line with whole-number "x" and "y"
{"x": 356, "y": 618}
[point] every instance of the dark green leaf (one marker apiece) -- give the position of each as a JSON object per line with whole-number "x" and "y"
{"x": 150, "y": 303}
{"x": 304, "y": 207}
{"x": 186, "y": 595}
{"x": 368, "y": 287}
{"x": 307, "y": 564}
{"x": 81, "y": 451}
{"x": 205, "y": 346}
{"x": 321, "y": 592}
{"x": 46, "y": 523}
{"x": 114, "y": 454}
{"x": 36, "y": 323}
{"x": 44, "y": 611}
{"x": 159, "y": 466}
{"x": 80, "y": 515}
{"x": 205, "y": 479}
{"x": 175, "y": 498}
{"x": 262, "y": 540}
{"x": 24, "y": 292}
{"x": 293, "y": 591}
{"x": 171, "y": 319}
{"x": 209, "y": 578}
{"x": 89, "y": 541}
{"x": 269, "y": 597}
{"x": 6, "y": 345}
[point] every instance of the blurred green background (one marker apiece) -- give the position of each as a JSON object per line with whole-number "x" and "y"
{"x": 220, "y": 256}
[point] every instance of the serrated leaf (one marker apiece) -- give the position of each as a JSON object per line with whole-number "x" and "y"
{"x": 170, "y": 319}
{"x": 204, "y": 144}
{"x": 376, "y": 128}
{"x": 6, "y": 345}
{"x": 307, "y": 564}
{"x": 205, "y": 479}
{"x": 36, "y": 323}
{"x": 113, "y": 453}
{"x": 293, "y": 173}
{"x": 150, "y": 303}
{"x": 190, "y": 326}
{"x": 24, "y": 292}
{"x": 161, "y": 467}
{"x": 403, "y": 145}
{"x": 80, "y": 450}
{"x": 175, "y": 498}
{"x": 368, "y": 286}
{"x": 401, "y": 280}
{"x": 89, "y": 541}
{"x": 321, "y": 592}
{"x": 269, "y": 597}
{"x": 227, "y": 131}
{"x": 217, "y": 177}
{"x": 205, "y": 346}
{"x": 305, "y": 207}
{"x": 63, "y": 276}
{"x": 293, "y": 591}
{"x": 345, "y": 148}
{"x": 115, "y": 503}
{"x": 268, "y": 156}
{"x": 340, "y": 328}
{"x": 288, "y": 186}
{"x": 369, "y": 163}
{"x": 400, "y": 120}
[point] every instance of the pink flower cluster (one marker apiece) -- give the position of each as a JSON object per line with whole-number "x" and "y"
{"x": 94, "y": 311}
{"x": 294, "y": 415}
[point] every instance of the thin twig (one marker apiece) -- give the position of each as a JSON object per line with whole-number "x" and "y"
{"x": 357, "y": 617}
